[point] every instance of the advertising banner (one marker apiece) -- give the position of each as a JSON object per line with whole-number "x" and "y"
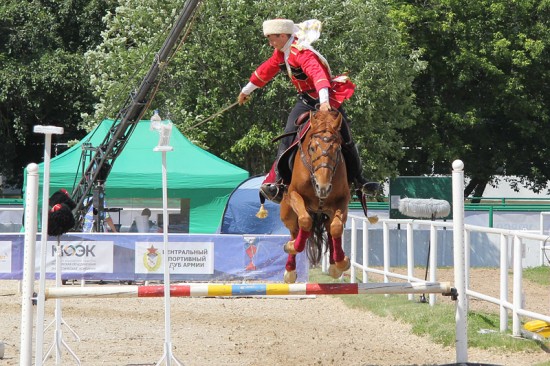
{"x": 140, "y": 257}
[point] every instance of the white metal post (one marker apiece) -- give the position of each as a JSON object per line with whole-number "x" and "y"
{"x": 353, "y": 253}
{"x": 541, "y": 231}
{"x": 467, "y": 257}
{"x": 165, "y": 131}
{"x": 433, "y": 260}
{"x": 365, "y": 251}
{"x": 48, "y": 131}
{"x": 461, "y": 314}
{"x": 31, "y": 210}
{"x": 503, "y": 282}
{"x": 544, "y": 245}
{"x": 386, "y": 251}
{"x": 518, "y": 288}
{"x": 410, "y": 255}
{"x": 167, "y": 357}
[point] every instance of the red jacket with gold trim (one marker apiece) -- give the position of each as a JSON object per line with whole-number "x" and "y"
{"x": 308, "y": 74}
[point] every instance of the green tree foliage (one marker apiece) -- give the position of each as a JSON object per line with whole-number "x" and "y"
{"x": 224, "y": 46}
{"x": 43, "y": 80}
{"x": 484, "y": 97}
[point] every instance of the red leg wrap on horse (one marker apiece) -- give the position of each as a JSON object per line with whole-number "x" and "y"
{"x": 338, "y": 254}
{"x": 330, "y": 250}
{"x": 291, "y": 263}
{"x": 300, "y": 241}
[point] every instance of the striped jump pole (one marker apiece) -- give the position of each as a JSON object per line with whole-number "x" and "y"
{"x": 236, "y": 290}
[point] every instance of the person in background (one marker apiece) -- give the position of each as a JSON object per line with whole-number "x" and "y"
{"x": 152, "y": 227}
{"x": 88, "y": 226}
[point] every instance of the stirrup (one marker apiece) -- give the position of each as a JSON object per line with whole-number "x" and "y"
{"x": 273, "y": 191}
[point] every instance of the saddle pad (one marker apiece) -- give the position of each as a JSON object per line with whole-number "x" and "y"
{"x": 286, "y": 160}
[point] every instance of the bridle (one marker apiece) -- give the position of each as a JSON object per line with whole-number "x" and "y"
{"x": 319, "y": 140}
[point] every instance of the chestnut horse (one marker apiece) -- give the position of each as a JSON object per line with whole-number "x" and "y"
{"x": 315, "y": 206}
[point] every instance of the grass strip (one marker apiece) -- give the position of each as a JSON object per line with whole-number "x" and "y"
{"x": 437, "y": 322}
{"x": 538, "y": 275}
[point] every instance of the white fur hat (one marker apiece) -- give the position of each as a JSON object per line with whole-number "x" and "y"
{"x": 278, "y": 26}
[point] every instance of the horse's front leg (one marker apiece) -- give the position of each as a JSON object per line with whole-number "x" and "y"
{"x": 339, "y": 261}
{"x": 290, "y": 275}
{"x": 293, "y": 218}
{"x": 305, "y": 222}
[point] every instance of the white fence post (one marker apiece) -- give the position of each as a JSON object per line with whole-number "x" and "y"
{"x": 503, "y": 282}
{"x": 543, "y": 244}
{"x": 353, "y": 254}
{"x": 458, "y": 251}
{"x": 518, "y": 289}
{"x": 386, "y": 243}
{"x": 410, "y": 255}
{"x": 433, "y": 260}
{"x": 365, "y": 251}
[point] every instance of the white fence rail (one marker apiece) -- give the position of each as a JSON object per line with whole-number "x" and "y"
{"x": 512, "y": 246}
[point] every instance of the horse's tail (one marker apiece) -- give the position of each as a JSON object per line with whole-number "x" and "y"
{"x": 316, "y": 240}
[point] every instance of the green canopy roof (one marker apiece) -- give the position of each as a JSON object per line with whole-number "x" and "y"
{"x": 137, "y": 173}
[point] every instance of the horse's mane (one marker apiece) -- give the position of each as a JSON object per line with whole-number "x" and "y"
{"x": 323, "y": 124}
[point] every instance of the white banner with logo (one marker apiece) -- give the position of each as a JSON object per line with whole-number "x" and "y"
{"x": 78, "y": 256}
{"x": 183, "y": 257}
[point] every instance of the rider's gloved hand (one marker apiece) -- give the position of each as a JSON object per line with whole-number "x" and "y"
{"x": 243, "y": 98}
{"x": 325, "y": 107}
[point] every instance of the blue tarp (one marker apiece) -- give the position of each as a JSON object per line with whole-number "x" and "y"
{"x": 239, "y": 216}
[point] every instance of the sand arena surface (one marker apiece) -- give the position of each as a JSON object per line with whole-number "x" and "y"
{"x": 244, "y": 331}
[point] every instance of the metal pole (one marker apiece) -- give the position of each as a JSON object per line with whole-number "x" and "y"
{"x": 541, "y": 232}
{"x": 386, "y": 250}
{"x": 410, "y": 256}
{"x": 503, "y": 282}
{"x": 47, "y": 131}
{"x": 31, "y": 210}
{"x": 168, "y": 356}
{"x": 461, "y": 315}
{"x": 365, "y": 251}
{"x": 517, "y": 287}
{"x": 433, "y": 260}
{"x": 353, "y": 250}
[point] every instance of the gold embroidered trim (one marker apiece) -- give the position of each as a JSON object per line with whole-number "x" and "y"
{"x": 258, "y": 76}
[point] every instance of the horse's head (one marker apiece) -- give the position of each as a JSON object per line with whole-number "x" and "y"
{"x": 323, "y": 150}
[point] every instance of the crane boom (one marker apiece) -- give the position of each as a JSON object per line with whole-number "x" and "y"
{"x": 103, "y": 157}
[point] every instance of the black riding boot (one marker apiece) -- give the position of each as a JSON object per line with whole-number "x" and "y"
{"x": 355, "y": 170}
{"x": 273, "y": 191}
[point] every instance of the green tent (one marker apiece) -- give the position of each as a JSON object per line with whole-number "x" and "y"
{"x": 201, "y": 180}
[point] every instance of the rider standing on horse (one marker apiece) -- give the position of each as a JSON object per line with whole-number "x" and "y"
{"x": 310, "y": 73}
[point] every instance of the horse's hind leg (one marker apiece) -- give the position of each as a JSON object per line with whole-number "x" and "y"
{"x": 339, "y": 262}
{"x": 332, "y": 271}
